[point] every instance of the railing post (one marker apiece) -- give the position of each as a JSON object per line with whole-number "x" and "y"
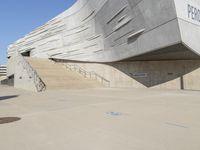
{"x": 92, "y": 75}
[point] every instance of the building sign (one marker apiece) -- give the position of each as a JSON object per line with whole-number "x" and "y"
{"x": 193, "y": 13}
{"x": 188, "y": 10}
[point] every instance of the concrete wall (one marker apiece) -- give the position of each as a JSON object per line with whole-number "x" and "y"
{"x": 180, "y": 74}
{"x": 105, "y": 31}
{"x": 22, "y": 79}
{"x": 188, "y": 13}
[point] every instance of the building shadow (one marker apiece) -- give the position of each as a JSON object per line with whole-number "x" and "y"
{"x": 154, "y": 73}
{"x": 2, "y": 98}
{"x": 8, "y": 81}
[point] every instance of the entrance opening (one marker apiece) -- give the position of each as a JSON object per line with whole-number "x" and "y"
{"x": 26, "y": 54}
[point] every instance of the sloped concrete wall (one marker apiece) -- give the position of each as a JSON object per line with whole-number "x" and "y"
{"x": 180, "y": 74}
{"x": 22, "y": 79}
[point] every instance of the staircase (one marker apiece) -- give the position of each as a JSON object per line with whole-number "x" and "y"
{"x": 56, "y": 76}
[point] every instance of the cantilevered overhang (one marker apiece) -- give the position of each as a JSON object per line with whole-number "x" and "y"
{"x": 175, "y": 52}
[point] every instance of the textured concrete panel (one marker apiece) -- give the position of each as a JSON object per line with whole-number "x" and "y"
{"x": 114, "y": 30}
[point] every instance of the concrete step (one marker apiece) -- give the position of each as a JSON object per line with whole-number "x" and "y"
{"x": 56, "y": 76}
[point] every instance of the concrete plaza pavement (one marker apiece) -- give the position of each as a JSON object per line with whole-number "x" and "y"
{"x": 100, "y": 119}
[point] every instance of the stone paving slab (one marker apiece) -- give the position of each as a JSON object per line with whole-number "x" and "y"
{"x": 100, "y": 119}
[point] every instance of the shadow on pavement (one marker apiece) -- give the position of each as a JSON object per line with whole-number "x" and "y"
{"x": 5, "y": 120}
{"x": 2, "y": 98}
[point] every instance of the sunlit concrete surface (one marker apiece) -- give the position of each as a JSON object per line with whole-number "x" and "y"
{"x": 100, "y": 119}
{"x": 114, "y": 30}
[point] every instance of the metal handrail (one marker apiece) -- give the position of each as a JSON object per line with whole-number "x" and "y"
{"x": 86, "y": 74}
{"x": 39, "y": 84}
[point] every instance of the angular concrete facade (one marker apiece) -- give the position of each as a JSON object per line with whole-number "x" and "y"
{"x": 116, "y": 30}
{"x": 131, "y": 43}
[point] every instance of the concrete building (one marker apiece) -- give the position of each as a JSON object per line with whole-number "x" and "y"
{"x": 130, "y": 43}
{"x": 3, "y": 70}
{"x": 3, "y": 73}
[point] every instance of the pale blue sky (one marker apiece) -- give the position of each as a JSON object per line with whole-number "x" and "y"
{"x": 19, "y": 17}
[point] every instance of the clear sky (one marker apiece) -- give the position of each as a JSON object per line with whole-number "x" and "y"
{"x": 19, "y": 17}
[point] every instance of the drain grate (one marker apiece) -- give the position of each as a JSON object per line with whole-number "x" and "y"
{"x": 5, "y": 120}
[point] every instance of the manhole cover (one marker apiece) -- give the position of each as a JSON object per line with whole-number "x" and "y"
{"x": 9, "y": 119}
